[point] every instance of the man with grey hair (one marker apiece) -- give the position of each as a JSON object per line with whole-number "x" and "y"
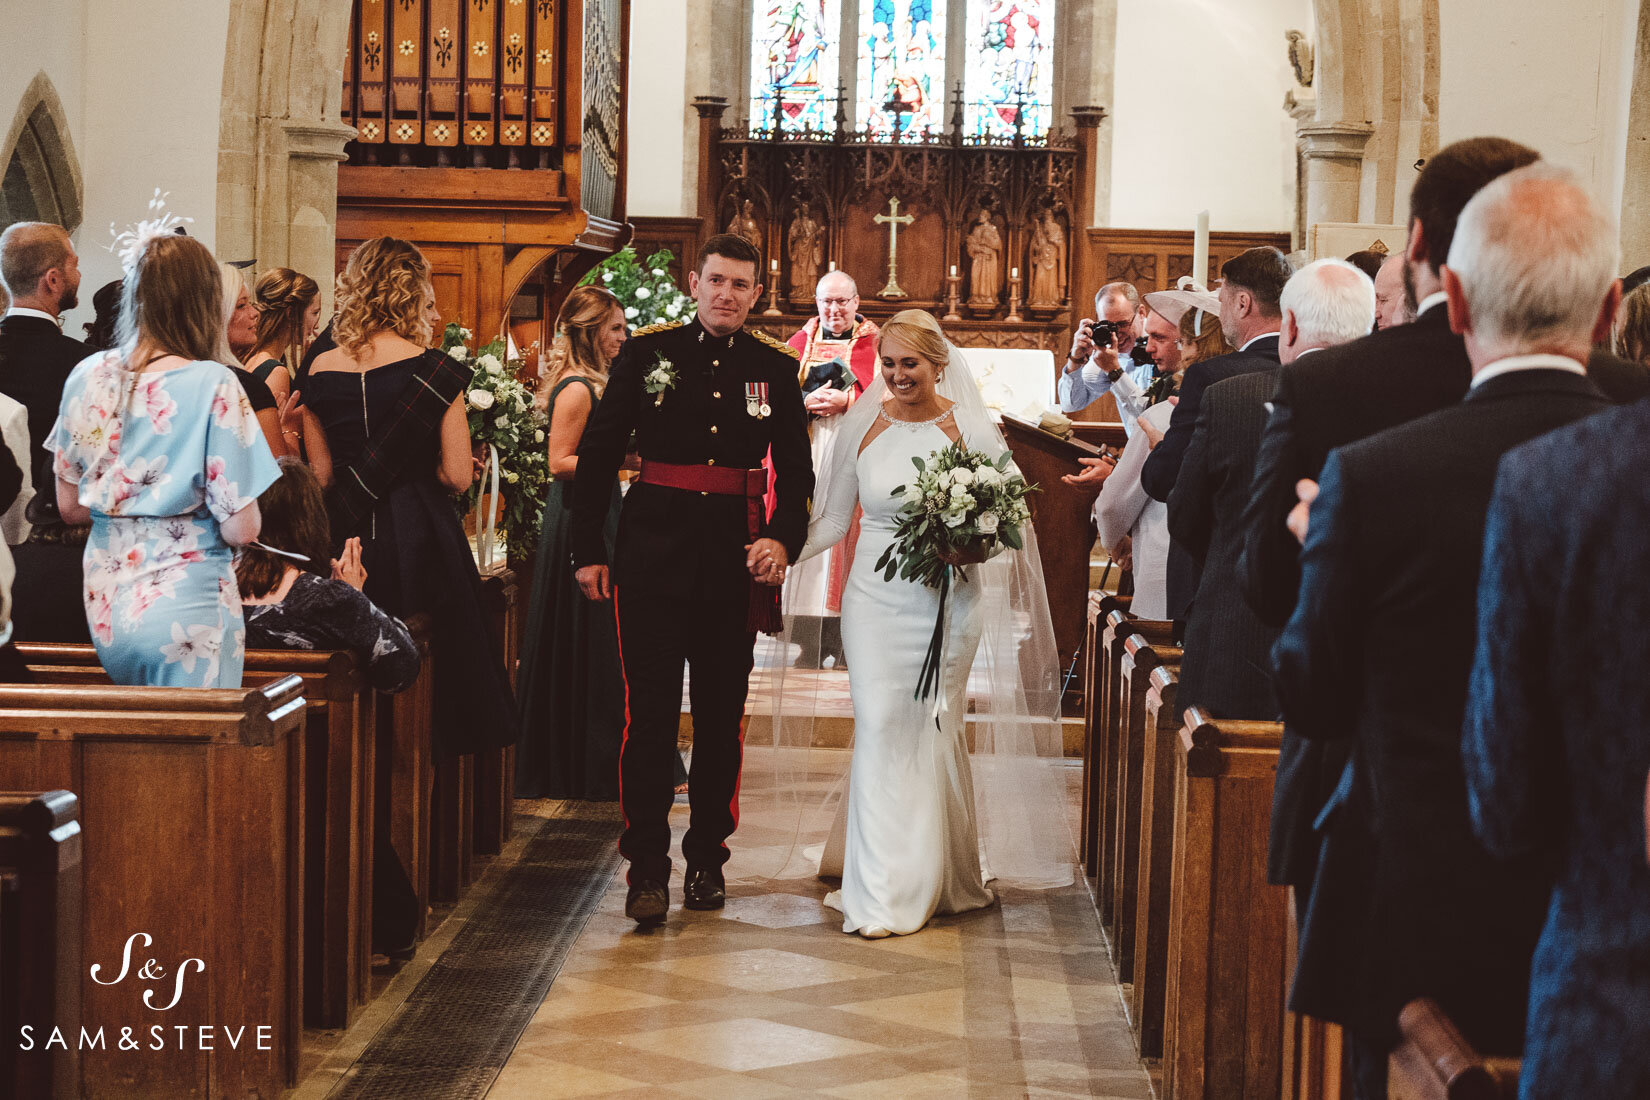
{"x": 1326, "y": 303}
{"x": 1108, "y": 356}
{"x": 1379, "y": 645}
{"x": 42, "y": 272}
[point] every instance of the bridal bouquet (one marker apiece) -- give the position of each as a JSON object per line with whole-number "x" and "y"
{"x": 961, "y": 505}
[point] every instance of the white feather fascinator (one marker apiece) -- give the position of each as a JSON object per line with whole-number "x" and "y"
{"x": 130, "y": 244}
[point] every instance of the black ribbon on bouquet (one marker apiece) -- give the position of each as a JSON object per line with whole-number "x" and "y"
{"x": 928, "y": 679}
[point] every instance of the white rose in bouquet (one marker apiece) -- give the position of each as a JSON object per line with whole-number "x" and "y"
{"x": 956, "y": 517}
{"x": 962, "y": 475}
{"x": 459, "y": 352}
{"x": 501, "y": 422}
{"x": 988, "y": 523}
{"x": 481, "y": 399}
{"x": 490, "y": 364}
{"x": 912, "y": 494}
{"x": 988, "y": 476}
{"x": 643, "y": 294}
{"x": 631, "y": 313}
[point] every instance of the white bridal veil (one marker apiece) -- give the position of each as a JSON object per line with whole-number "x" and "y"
{"x": 803, "y": 717}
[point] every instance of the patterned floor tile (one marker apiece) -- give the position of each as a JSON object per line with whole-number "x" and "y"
{"x": 747, "y": 1044}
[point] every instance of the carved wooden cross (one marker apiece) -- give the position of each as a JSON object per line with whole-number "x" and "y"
{"x": 893, "y": 220}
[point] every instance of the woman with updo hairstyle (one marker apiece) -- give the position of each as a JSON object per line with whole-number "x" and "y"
{"x": 239, "y": 328}
{"x": 387, "y": 435}
{"x": 571, "y": 692}
{"x": 157, "y": 448}
{"x": 289, "y": 313}
{"x": 1633, "y": 326}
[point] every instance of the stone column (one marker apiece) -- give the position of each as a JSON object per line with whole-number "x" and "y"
{"x": 1302, "y": 106}
{"x": 1083, "y": 282}
{"x": 1333, "y": 157}
{"x": 710, "y": 108}
{"x": 298, "y": 201}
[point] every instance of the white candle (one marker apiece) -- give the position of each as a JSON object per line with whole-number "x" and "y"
{"x": 1013, "y": 273}
{"x": 773, "y": 265}
{"x": 833, "y": 265}
{"x": 953, "y": 271}
{"x": 1200, "y": 251}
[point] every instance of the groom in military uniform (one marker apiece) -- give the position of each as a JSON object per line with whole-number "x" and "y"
{"x": 698, "y": 560}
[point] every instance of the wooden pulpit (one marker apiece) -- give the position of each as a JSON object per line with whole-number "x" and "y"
{"x": 1060, "y": 513}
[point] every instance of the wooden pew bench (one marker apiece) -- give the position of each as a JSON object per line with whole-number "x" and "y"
{"x": 1156, "y": 852}
{"x": 1098, "y": 637}
{"x": 1224, "y": 1002}
{"x": 1140, "y": 657}
{"x": 192, "y": 806}
{"x": 1102, "y": 747}
{"x": 1112, "y": 753}
{"x": 39, "y": 941}
{"x": 1433, "y": 1061}
{"x": 340, "y": 731}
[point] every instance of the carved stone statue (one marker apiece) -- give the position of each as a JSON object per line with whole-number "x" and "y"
{"x": 1048, "y": 262}
{"x": 744, "y": 225}
{"x": 807, "y": 241}
{"x": 985, "y": 248}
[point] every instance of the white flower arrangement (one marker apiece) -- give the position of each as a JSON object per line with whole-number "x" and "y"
{"x": 960, "y": 503}
{"x": 660, "y": 379}
{"x": 644, "y": 288}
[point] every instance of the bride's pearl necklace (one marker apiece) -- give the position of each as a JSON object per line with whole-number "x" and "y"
{"x": 882, "y": 411}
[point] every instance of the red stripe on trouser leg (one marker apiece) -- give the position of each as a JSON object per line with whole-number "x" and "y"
{"x": 738, "y": 778}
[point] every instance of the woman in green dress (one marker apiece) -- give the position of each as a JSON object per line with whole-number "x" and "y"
{"x": 570, "y": 684}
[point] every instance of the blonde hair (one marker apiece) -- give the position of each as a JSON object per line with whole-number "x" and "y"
{"x": 1633, "y": 326}
{"x": 1200, "y": 346}
{"x": 282, "y": 296}
{"x": 232, "y": 282}
{"x": 918, "y": 330}
{"x": 576, "y": 347}
{"x": 382, "y": 289}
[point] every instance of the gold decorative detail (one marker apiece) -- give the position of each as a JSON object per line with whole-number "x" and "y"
{"x": 481, "y": 49}
{"x": 407, "y": 47}
{"x": 658, "y": 326}
{"x": 777, "y": 345}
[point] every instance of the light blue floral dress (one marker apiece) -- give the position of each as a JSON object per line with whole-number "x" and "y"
{"x": 161, "y": 464}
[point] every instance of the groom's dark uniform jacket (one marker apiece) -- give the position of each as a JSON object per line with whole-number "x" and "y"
{"x": 678, "y": 566}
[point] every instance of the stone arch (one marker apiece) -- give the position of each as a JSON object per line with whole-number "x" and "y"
{"x": 39, "y": 172}
{"x": 1635, "y": 198}
{"x": 280, "y": 139}
{"x": 1376, "y": 78}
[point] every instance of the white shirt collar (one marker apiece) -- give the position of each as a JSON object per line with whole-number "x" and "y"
{"x": 1431, "y": 300}
{"x": 25, "y": 311}
{"x": 1527, "y": 362}
{"x": 1262, "y": 336}
{"x": 1306, "y": 352}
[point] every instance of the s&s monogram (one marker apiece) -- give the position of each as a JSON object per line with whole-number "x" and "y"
{"x": 150, "y": 971}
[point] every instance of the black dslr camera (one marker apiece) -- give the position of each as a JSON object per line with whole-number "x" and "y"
{"x": 1104, "y": 333}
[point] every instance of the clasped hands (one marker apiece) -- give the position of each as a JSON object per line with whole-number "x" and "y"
{"x": 767, "y": 561}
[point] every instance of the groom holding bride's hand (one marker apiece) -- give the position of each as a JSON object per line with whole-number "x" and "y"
{"x": 697, "y": 562}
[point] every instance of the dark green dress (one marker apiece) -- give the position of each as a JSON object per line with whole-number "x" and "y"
{"x": 570, "y": 683}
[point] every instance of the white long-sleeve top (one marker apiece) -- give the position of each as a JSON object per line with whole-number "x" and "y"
{"x": 1124, "y": 508}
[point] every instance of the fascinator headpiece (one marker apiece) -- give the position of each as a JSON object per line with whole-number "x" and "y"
{"x": 130, "y": 244}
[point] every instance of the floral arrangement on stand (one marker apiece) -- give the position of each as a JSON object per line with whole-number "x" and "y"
{"x": 505, "y": 422}
{"x": 644, "y": 288}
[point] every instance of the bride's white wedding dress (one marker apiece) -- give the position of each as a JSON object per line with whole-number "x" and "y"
{"x": 907, "y": 846}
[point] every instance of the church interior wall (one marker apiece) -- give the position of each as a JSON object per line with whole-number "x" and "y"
{"x": 1198, "y": 114}
{"x": 1557, "y": 77}
{"x": 660, "y": 117}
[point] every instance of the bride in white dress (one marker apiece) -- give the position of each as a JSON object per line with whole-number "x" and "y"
{"x": 907, "y": 843}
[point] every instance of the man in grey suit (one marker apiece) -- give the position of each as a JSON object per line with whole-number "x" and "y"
{"x": 1325, "y": 304}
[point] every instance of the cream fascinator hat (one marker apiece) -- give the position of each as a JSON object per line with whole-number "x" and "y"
{"x": 1173, "y": 304}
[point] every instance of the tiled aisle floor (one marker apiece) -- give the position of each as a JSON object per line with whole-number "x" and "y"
{"x": 770, "y": 998}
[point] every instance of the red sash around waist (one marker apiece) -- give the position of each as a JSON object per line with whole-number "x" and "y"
{"x": 728, "y": 481}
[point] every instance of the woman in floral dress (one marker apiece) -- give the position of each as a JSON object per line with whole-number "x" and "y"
{"x": 158, "y": 449}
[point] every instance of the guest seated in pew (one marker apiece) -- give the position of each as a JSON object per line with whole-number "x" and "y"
{"x": 1134, "y": 527}
{"x": 1392, "y": 306}
{"x": 288, "y": 607}
{"x": 1408, "y": 902}
{"x": 1325, "y": 304}
{"x": 157, "y": 448}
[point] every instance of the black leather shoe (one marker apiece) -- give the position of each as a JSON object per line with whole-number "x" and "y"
{"x": 704, "y": 889}
{"x": 647, "y": 902}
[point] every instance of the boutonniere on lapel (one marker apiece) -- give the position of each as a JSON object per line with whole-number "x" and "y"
{"x": 756, "y": 400}
{"x": 661, "y": 378}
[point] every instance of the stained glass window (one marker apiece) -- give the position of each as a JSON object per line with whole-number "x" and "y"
{"x": 1010, "y": 63}
{"x": 794, "y": 56}
{"x": 901, "y": 60}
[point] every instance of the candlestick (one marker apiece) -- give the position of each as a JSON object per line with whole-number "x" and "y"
{"x": 1014, "y": 294}
{"x": 953, "y": 288}
{"x": 1013, "y": 273}
{"x": 833, "y": 265}
{"x": 1200, "y": 250}
{"x": 773, "y": 265}
{"x": 773, "y": 291}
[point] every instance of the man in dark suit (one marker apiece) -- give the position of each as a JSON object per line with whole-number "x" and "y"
{"x": 1250, "y": 285}
{"x": 42, "y": 273}
{"x": 1227, "y": 661}
{"x": 1381, "y": 639}
{"x": 1335, "y": 397}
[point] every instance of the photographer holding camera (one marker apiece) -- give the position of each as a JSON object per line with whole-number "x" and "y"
{"x": 1106, "y": 356}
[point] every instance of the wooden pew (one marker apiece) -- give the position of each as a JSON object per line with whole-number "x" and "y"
{"x": 339, "y": 748}
{"x": 1316, "y": 1062}
{"x": 403, "y": 775}
{"x": 40, "y": 849}
{"x": 1433, "y": 1061}
{"x": 1151, "y": 631}
{"x": 1140, "y": 657}
{"x": 192, "y": 804}
{"x": 1224, "y": 1005}
{"x": 1098, "y": 638}
{"x": 1156, "y": 848}
{"x": 495, "y": 770}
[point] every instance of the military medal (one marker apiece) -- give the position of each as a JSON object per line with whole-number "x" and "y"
{"x": 756, "y": 400}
